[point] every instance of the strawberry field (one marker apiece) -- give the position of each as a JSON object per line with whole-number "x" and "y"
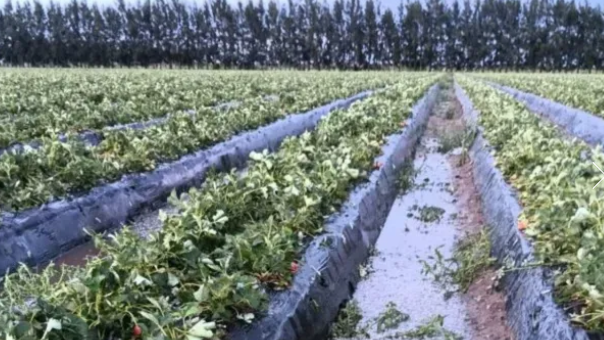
{"x": 233, "y": 240}
{"x": 70, "y": 102}
{"x": 554, "y": 176}
{"x": 581, "y": 91}
{"x": 240, "y": 235}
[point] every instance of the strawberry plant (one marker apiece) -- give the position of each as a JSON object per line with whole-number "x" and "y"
{"x": 582, "y": 91}
{"x": 231, "y": 241}
{"x": 49, "y": 102}
{"x": 563, "y": 213}
{"x": 58, "y": 169}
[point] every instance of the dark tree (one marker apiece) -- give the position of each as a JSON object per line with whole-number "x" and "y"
{"x": 344, "y": 34}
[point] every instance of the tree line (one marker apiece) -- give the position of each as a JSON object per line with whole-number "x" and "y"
{"x": 344, "y": 34}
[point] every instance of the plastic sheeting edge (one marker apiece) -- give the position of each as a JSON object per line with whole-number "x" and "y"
{"x": 37, "y": 235}
{"x": 329, "y": 274}
{"x": 578, "y": 123}
{"x": 531, "y": 310}
{"x": 93, "y": 138}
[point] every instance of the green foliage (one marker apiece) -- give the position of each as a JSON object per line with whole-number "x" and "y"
{"x": 391, "y": 318}
{"x": 349, "y": 317}
{"x": 433, "y": 328}
{"x": 58, "y": 169}
{"x": 453, "y": 35}
{"x": 232, "y": 241}
{"x": 457, "y": 139}
{"x": 347, "y": 323}
{"x": 554, "y": 177}
{"x": 472, "y": 255}
{"x": 581, "y": 91}
{"x": 406, "y": 177}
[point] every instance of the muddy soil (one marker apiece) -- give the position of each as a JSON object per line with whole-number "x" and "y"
{"x": 441, "y": 208}
{"x": 485, "y": 304}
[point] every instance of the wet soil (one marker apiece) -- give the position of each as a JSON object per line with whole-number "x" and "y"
{"x": 405, "y": 240}
{"x": 485, "y": 304}
{"x": 395, "y": 274}
{"x": 143, "y": 224}
{"x": 77, "y": 256}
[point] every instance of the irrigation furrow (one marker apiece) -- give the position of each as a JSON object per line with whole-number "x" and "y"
{"x": 39, "y": 234}
{"x": 281, "y": 198}
{"x": 539, "y": 198}
{"x": 416, "y": 285}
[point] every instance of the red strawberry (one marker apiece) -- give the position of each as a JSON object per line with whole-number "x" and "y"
{"x": 377, "y": 165}
{"x": 402, "y": 124}
{"x": 293, "y": 268}
{"x": 137, "y": 331}
{"x": 522, "y": 225}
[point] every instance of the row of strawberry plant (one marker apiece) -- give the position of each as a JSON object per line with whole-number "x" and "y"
{"x": 57, "y": 101}
{"x": 230, "y": 243}
{"x": 578, "y": 91}
{"x": 563, "y": 214}
{"x": 34, "y": 106}
{"x": 57, "y": 169}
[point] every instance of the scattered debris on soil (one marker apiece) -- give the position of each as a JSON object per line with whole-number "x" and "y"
{"x": 471, "y": 258}
{"x": 347, "y": 323}
{"x": 395, "y": 278}
{"x": 391, "y": 318}
{"x": 437, "y": 193}
{"x": 427, "y": 213}
{"x": 485, "y": 303}
{"x": 433, "y": 328}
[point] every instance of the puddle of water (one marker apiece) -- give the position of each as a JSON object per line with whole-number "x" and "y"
{"x": 143, "y": 225}
{"x": 396, "y": 270}
{"x": 77, "y": 256}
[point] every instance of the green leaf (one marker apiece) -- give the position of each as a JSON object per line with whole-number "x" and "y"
{"x": 202, "y": 330}
{"x": 151, "y": 318}
{"x": 142, "y": 281}
{"x": 202, "y": 294}
{"x": 51, "y": 325}
{"x": 173, "y": 280}
{"x": 354, "y": 173}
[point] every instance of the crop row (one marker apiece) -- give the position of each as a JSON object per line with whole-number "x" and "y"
{"x": 57, "y": 169}
{"x": 52, "y": 102}
{"x": 56, "y": 102}
{"x": 584, "y": 92}
{"x": 562, "y": 212}
{"x": 232, "y": 240}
